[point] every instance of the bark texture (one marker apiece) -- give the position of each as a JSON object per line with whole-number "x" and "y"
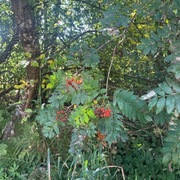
{"x": 25, "y": 21}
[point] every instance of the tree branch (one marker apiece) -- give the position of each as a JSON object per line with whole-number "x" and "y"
{"x": 9, "y": 48}
{"x": 74, "y": 39}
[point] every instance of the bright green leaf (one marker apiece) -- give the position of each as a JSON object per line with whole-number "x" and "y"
{"x": 28, "y": 111}
{"x": 28, "y": 54}
{"x": 86, "y": 118}
{"x": 34, "y": 64}
{"x": 42, "y": 56}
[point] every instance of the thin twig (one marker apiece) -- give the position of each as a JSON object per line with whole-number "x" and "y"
{"x": 108, "y": 42}
{"x": 114, "y": 51}
{"x": 113, "y": 57}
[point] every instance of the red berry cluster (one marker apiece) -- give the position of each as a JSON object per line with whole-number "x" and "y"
{"x": 73, "y": 82}
{"x": 61, "y": 115}
{"x": 102, "y": 112}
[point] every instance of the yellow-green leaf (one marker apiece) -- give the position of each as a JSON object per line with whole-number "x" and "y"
{"x": 86, "y": 118}
{"x": 34, "y": 64}
{"x": 28, "y": 54}
{"x": 42, "y": 56}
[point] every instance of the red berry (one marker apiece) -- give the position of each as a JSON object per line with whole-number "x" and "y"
{"x": 101, "y": 112}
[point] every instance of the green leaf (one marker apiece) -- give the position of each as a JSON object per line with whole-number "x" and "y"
{"x": 175, "y": 157}
{"x": 83, "y": 98}
{"x": 28, "y": 54}
{"x": 152, "y": 103}
{"x": 56, "y": 129}
{"x": 178, "y": 105}
{"x": 86, "y": 118}
{"x": 146, "y": 50}
{"x": 76, "y": 98}
{"x": 166, "y": 158}
{"x": 160, "y": 105}
{"x": 175, "y": 47}
{"x": 175, "y": 68}
{"x": 130, "y": 105}
{"x": 154, "y": 49}
{"x": 28, "y": 110}
{"x": 34, "y": 64}
{"x": 148, "y": 118}
{"x": 159, "y": 91}
{"x": 90, "y": 113}
{"x": 123, "y": 21}
{"x": 120, "y": 105}
{"x": 3, "y": 149}
{"x": 161, "y": 118}
{"x": 169, "y": 58}
{"x": 165, "y": 87}
{"x": 42, "y": 56}
{"x": 49, "y": 123}
{"x": 170, "y": 104}
{"x": 50, "y": 86}
{"x": 173, "y": 84}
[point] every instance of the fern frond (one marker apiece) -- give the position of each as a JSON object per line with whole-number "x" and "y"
{"x": 22, "y": 150}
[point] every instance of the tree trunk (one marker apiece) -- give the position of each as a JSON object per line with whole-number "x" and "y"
{"x": 24, "y": 19}
{"x": 25, "y": 22}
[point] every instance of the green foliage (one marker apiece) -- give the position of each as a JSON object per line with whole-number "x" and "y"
{"x": 141, "y": 161}
{"x": 90, "y": 56}
{"x": 48, "y": 119}
{"x": 4, "y": 117}
{"x": 171, "y": 148}
{"x": 166, "y": 96}
{"x": 114, "y": 16}
{"x": 12, "y": 173}
{"x": 21, "y": 154}
{"x": 82, "y": 99}
{"x": 131, "y": 106}
{"x": 3, "y": 149}
{"x": 95, "y": 56}
{"x": 91, "y": 164}
{"x": 81, "y": 116}
{"x": 114, "y": 128}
